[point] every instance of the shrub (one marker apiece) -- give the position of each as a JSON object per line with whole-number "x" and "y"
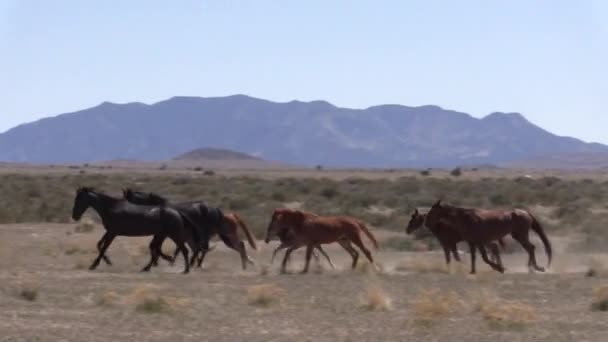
{"x": 29, "y": 294}
{"x": 456, "y": 172}
{"x": 600, "y": 301}
{"x": 432, "y": 304}
{"x": 265, "y": 295}
{"x": 426, "y": 172}
{"x": 375, "y": 299}
{"x": 153, "y": 305}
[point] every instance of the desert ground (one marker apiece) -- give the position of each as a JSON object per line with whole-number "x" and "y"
{"x": 48, "y": 294}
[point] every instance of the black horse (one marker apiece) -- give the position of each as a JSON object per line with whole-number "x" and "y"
{"x": 210, "y": 220}
{"x": 121, "y": 218}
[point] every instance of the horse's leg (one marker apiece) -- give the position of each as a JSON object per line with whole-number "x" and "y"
{"x": 495, "y": 253}
{"x": 472, "y": 251}
{"x": 309, "y": 249}
{"x": 353, "y": 252}
{"x": 285, "y": 258}
{"x": 155, "y": 246}
{"x": 274, "y": 253}
{"x": 356, "y": 239}
{"x": 326, "y": 256}
{"x": 105, "y": 258}
{"x": 201, "y": 258}
{"x": 107, "y": 241}
{"x": 446, "y": 252}
{"x": 484, "y": 256}
{"x": 524, "y": 240}
{"x": 179, "y": 242}
{"x": 454, "y": 249}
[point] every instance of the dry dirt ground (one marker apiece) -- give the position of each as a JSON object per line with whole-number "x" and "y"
{"x": 47, "y": 294}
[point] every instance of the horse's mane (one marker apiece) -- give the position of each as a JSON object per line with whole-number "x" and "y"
{"x": 157, "y": 197}
{"x": 151, "y": 196}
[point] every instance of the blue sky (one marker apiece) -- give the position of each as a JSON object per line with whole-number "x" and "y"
{"x": 544, "y": 59}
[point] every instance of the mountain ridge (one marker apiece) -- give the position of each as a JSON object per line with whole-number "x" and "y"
{"x": 296, "y": 132}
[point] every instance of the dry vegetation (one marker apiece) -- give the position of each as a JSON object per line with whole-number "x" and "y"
{"x": 565, "y": 206}
{"x": 47, "y": 293}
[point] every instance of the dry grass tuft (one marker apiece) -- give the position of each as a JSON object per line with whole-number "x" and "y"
{"x": 375, "y": 299}
{"x": 145, "y": 298}
{"x": 265, "y": 295}
{"x": 420, "y": 265}
{"x": 109, "y": 298}
{"x": 432, "y": 304}
{"x": 597, "y": 267}
{"x": 514, "y": 315}
{"x": 600, "y": 300}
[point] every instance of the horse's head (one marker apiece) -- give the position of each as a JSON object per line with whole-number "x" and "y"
{"x": 282, "y": 219}
{"x": 81, "y": 202}
{"x": 416, "y": 222}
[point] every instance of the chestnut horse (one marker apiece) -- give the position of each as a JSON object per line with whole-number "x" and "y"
{"x": 478, "y": 227}
{"x": 449, "y": 238}
{"x": 288, "y": 238}
{"x": 311, "y": 230}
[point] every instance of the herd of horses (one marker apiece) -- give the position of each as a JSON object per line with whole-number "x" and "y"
{"x": 191, "y": 225}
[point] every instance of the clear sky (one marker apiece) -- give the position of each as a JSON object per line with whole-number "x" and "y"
{"x": 546, "y": 59}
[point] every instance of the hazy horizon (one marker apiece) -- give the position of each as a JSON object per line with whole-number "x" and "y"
{"x": 544, "y": 60}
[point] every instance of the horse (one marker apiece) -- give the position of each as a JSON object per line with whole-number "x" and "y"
{"x": 287, "y": 239}
{"x": 311, "y": 230}
{"x": 449, "y": 238}
{"x": 212, "y": 220}
{"x": 478, "y": 227}
{"x": 121, "y": 218}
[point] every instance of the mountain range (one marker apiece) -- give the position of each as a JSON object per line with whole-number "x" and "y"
{"x": 300, "y": 133}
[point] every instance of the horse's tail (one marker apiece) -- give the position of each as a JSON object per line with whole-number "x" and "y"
{"x": 222, "y": 228}
{"x": 369, "y": 234}
{"x": 541, "y": 233}
{"x": 246, "y": 230}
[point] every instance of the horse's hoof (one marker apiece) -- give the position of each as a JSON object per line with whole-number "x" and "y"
{"x": 540, "y": 269}
{"x": 145, "y": 269}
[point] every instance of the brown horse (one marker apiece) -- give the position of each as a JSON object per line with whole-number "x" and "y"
{"x": 478, "y": 227}
{"x": 288, "y": 238}
{"x": 449, "y": 238}
{"x": 311, "y": 230}
{"x": 232, "y": 223}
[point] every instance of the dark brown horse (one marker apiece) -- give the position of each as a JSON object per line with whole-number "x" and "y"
{"x": 449, "y": 238}
{"x": 479, "y": 227}
{"x": 212, "y": 221}
{"x": 311, "y": 230}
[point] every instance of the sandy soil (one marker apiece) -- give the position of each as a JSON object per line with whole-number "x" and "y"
{"x": 215, "y": 304}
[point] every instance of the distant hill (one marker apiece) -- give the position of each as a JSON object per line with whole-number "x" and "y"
{"x": 300, "y": 133}
{"x": 214, "y": 154}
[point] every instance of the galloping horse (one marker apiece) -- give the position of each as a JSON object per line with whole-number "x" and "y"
{"x": 312, "y": 230}
{"x": 121, "y": 218}
{"x": 478, "y": 227}
{"x": 449, "y": 238}
{"x": 212, "y": 221}
{"x": 287, "y": 239}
